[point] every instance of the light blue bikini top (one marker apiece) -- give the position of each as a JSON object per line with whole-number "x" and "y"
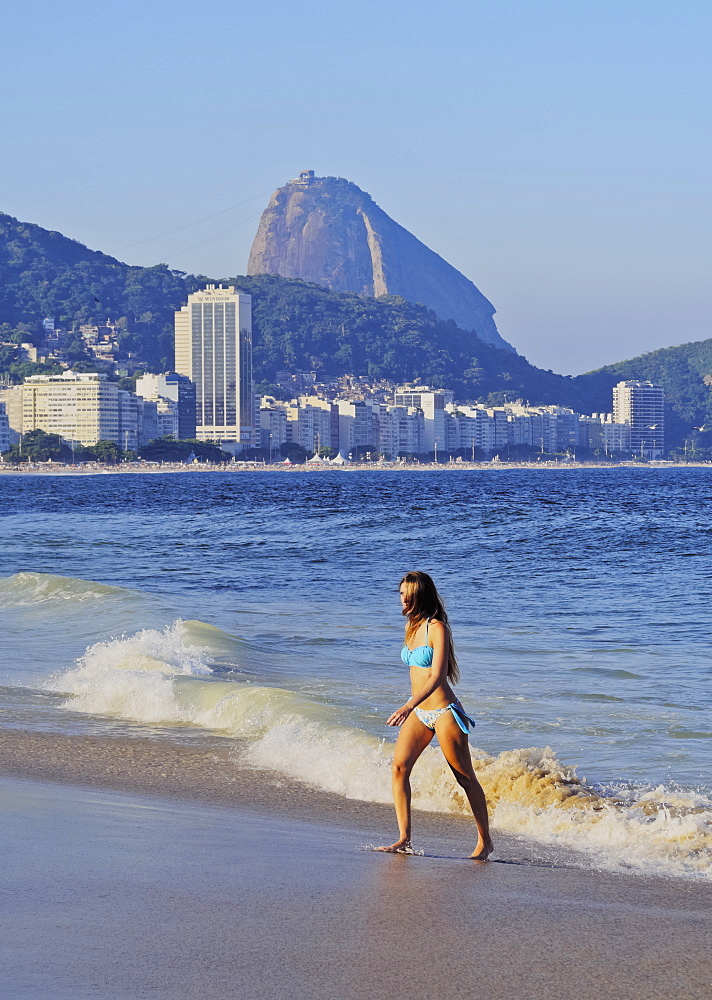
{"x": 421, "y": 656}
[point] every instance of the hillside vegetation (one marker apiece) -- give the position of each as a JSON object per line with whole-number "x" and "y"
{"x": 296, "y": 325}
{"x": 302, "y": 326}
{"x": 681, "y": 371}
{"x": 44, "y": 273}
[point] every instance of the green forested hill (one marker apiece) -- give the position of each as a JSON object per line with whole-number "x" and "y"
{"x": 681, "y": 371}
{"x": 296, "y": 325}
{"x": 301, "y": 326}
{"x": 44, "y": 273}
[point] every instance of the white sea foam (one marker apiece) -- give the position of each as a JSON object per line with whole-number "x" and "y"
{"x": 133, "y": 677}
{"x": 165, "y": 678}
{"x": 655, "y": 831}
{"x": 24, "y": 589}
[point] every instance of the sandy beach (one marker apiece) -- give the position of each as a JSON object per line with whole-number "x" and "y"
{"x": 135, "y": 869}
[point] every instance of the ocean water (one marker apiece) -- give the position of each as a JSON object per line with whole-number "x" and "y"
{"x": 263, "y": 606}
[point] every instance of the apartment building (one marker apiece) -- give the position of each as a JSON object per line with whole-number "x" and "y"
{"x": 641, "y": 405}
{"x": 11, "y": 397}
{"x": 174, "y": 395}
{"x": 433, "y": 403}
{"x": 425, "y": 420}
{"x": 213, "y": 348}
{"x": 600, "y": 432}
{"x": 358, "y": 426}
{"x": 79, "y": 406}
{"x": 475, "y": 429}
{"x": 273, "y": 423}
{"x": 82, "y": 408}
{"x": 4, "y": 429}
{"x": 309, "y": 423}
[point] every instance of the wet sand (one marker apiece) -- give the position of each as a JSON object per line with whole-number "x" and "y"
{"x": 210, "y": 770}
{"x": 199, "y": 880}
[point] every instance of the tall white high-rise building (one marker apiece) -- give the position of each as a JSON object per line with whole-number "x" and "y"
{"x": 641, "y": 405}
{"x": 214, "y": 350}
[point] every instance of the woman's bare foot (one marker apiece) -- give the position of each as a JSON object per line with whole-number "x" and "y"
{"x": 402, "y": 846}
{"x": 483, "y": 850}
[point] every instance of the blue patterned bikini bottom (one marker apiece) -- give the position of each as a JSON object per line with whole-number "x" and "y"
{"x": 429, "y": 718}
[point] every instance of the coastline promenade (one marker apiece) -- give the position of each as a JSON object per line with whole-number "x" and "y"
{"x": 96, "y": 468}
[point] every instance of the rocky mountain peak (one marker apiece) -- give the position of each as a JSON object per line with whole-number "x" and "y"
{"x": 327, "y": 230}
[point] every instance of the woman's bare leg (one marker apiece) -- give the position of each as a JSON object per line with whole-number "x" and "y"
{"x": 412, "y": 740}
{"x": 454, "y": 745}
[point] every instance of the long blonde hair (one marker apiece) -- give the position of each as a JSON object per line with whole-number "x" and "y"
{"x": 424, "y": 603}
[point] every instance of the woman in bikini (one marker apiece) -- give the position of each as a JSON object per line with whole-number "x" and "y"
{"x": 432, "y": 709}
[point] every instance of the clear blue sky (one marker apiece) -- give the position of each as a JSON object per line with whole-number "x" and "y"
{"x": 558, "y": 153}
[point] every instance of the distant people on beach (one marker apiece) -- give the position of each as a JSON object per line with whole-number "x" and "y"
{"x": 432, "y": 709}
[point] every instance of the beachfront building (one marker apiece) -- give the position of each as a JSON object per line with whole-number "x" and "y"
{"x": 83, "y": 408}
{"x": 641, "y": 405}
{"x": 476, "y": 430}
{"x": 358, "y": 430}
{"x": 401, "y": 430}
{"x": 11, "y": 398}
{"x": 601, "y": 433}
{"x": 388, "y": 425}
{"x": 483, "y": 430}
{"x": 4, "y": 429}
{"x": 309, "y": 421}
{"x": 312, "y": 422}
{"x": 174, "y": 396}
{"x": 499, "y": 417}
{"x": 409, "y": 427}
{"x": 554, "y": 428}
{"x": 213, "y": 348}
{"x": 167, "y": 417}
{"x": 425, "y": 420}
{"x": 347, "y": 426}
{"x": 369, "y": 426}
{"x": 272, "y": 423}
{"x": 432, "y": 402}
{"x": 138, "y": 420}
{"x": 360, "y": 426}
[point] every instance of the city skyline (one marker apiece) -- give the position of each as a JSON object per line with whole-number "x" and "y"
{"x": 347, "y": 421}
{"x": 211, "y": 398}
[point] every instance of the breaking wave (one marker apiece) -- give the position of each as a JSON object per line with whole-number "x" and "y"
{"x": 192, "y": 674}
{"x": 25, "y": 589}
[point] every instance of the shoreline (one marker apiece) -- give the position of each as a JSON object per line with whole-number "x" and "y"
{"x": 58, "y": 469}
{"x": 213, "y": 770}
{"x": 206, "y": 770}
{"x": 209, "y": 771}
{"x": 122, "y": 884}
